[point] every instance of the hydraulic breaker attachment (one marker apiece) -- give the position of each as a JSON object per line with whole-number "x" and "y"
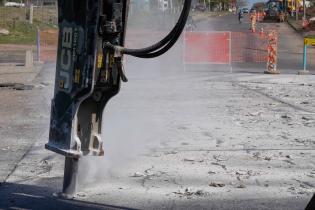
{"x": 89, "y": 72}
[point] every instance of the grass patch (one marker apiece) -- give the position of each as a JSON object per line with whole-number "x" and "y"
{"x": 21, "y": 32}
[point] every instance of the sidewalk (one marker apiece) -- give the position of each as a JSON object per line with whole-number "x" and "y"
{"x": 21, "y": 114}
{"x": 12, "y": 73}
{"x": 297, "y": 25}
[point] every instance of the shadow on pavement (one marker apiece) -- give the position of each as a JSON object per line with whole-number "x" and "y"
{"x": 21, "y": 196}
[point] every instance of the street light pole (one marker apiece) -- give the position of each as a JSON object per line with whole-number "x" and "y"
{"x": 297, "y": 9}
{"x": 292, "y": 8}
{"x": 304, "y": 10}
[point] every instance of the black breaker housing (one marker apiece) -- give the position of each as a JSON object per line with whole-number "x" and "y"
{"x": 87, "y": 74}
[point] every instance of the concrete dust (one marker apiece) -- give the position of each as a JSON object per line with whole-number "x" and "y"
{"x": 128, "y": 134}
{"x": 259, "y": 159}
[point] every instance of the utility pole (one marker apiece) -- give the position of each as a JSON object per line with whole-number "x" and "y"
{"x": 291, "y": 8}
{"x": 31, "y": 14}
{"x": 297, "y": 9}
{"x": 304, "y": 10}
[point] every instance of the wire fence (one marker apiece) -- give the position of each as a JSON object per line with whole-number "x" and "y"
{"x": 248, "y": 47}
{"x": 38, "y": 14}
{"x": 26, "y": 23}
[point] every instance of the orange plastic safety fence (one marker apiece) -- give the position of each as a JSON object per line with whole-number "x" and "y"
{"x": 48, "y": 43}
{"x": 207, "y": 47}
{"x": 248, "y": 47}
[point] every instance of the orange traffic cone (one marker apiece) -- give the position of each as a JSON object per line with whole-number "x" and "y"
{"x": 262, "y": 33}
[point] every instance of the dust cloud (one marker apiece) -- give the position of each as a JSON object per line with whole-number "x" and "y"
{"x": 130, "y": 126}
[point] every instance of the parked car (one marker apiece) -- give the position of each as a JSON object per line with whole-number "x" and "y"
{"x": 245, "y": 10}
{"x": 14, "y": 4}
{"x": 200, "y": 8}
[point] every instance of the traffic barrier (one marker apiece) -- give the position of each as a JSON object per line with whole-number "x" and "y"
{"x": 48, "y": 40}
{"x": 260, "y": 16}
{"x": 248, "y": 47}
{"x": 224, "y": 47}
{"x": 207, "y": 47}
{"x": 272, "y": 54}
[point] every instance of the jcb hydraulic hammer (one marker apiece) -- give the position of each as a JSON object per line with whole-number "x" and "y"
{"x": 89, "y": 72}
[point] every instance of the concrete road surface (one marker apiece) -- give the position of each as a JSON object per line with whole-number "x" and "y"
{"x": 176, "y": 137}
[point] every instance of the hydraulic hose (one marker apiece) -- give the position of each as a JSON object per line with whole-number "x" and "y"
{"x": 162, "y": 46}
{"x": 173, "y": 34}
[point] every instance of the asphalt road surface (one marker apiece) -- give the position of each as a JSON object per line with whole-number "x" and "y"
{"x": 176, "y": 137}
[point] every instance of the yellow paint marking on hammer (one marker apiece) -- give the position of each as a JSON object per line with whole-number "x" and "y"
{"x": 61, "y": 83}
{"x": 77, "y": 76}
{"x": 111, "y": 60}
{"x": 99, "y": 60}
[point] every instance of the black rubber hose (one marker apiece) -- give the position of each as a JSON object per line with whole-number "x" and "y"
{"x": 177, "y": 33}
{"x": 172, "y": 34}
{"x": 163, "y": 45}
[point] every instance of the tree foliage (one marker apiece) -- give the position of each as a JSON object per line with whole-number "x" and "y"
{"x": 259, "y": 6}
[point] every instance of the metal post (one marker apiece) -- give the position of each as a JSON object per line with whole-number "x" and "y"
{"x": 31, "y": 14}
{"x": 171, "y": 5}
{"x": 29, "y": 58}
{"x": 42, "y": 10}
{"x": 230, "y": 52}
{"x": 304, "y": 10}
{"x": 70, "y": 179}
{"x": 38, "y": 45}
{"x": 296, "y": 9}
{"x": 291, "y": 8}
{"x": 5, "y": 15}
{"x": 304, "y": 57}
{"x": 304, "y": 71}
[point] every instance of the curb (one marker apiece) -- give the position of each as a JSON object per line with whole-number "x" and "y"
{"x": 205, "y": 17}
{"x": 292, "y": 26}
{"x": 299, "y": 31}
